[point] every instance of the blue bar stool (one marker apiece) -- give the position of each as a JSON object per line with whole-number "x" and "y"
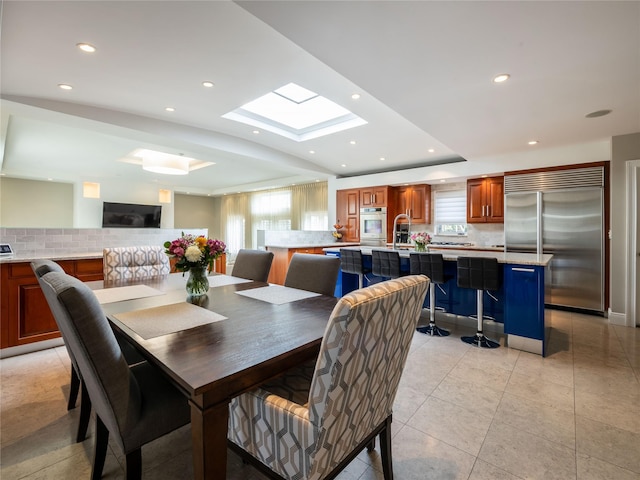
{"x": 385, "y": 263}
{"x": 479, "y": 273}
{"x": 431, "y": 265}
{"x": 351, "y": 262}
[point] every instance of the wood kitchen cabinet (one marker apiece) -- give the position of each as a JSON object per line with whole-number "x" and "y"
{"x": 374, "y": 197}
{"x": 348, "y": 213}
{"x": 413, "y": 200}
{"x": 282, "y": 258}
{"x": 485, "y": 200}
{"x": 25, "y": 314}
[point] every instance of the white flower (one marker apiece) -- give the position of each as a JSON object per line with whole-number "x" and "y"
{"x": 193, "y": 254}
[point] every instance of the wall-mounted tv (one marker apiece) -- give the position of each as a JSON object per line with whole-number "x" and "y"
{"x": 130, "y": 215}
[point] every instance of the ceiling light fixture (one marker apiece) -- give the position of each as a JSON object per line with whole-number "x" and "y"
{"x": 343, "y": 165}
{"x": 503, "y": 77}
{"x": 352, "y": 142}
{"x": 256, "y": 132}
{"x": 355, "y": 96}
{"x": 312, "y": 152}
{"x": 164, "y": 163}
{"x": 431, "y": 150}
{"x": 170, "y": 109}
{"x": 207, "y": 84}
{"x": 382, "y": 159}
{"x": 533, "y": 142}
{"x": 86, "y": 47}
{"x": 64, "y": 86}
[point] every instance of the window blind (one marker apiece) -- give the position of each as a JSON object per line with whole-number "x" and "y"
{"x": 451, "y": 207}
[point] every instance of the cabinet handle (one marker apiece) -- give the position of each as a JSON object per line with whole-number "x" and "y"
{"x": 488, "y": 210}
{"x": 375, "y": 198}
{"x": 483, "y": 210}
{"x": 519, "y": 269}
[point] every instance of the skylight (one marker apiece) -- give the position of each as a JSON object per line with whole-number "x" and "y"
{"x": 296, "y": 113}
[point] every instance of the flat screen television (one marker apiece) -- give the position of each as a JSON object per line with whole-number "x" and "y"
{"x": 130, "y": 215}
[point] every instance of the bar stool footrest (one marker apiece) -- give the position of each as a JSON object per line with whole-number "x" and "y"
{"x": 479, "y": 340}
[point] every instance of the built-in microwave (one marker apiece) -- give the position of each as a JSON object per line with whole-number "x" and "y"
{"x": 373, "y": 226}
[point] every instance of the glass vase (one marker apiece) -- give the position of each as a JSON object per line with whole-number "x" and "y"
{"x": 197, "y": 283}
{"x": 421, "y": 247}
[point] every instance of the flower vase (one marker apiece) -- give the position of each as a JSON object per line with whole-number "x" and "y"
{"x": 197, "y": 283}
{"x": 420, "y": 247}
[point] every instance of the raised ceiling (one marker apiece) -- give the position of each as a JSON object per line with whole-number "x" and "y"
{"x": 423, "y": 71}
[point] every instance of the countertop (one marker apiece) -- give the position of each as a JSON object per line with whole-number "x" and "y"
{"x": 23, "y": 257}
{"x": 313, "y": 245}
{"x": 453, "y": 254}
{"x": 483, "y": 248}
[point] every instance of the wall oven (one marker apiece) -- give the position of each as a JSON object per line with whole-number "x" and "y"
{"x": 373, "y": 226}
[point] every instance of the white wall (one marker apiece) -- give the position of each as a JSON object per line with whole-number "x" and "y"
{"x": 31, "y": 203}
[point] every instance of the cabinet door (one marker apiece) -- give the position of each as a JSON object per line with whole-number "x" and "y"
{"x": 402, "y": 202}
{"x": 380, "y": 196}
{"x": 420, "y": 203}
{"x": 348, "y": 214}
{"x": 524, "y": 301}
{"x": 475, "y": 201}
{"x": 366, "y": 197}
{"x": 495, "y": 200}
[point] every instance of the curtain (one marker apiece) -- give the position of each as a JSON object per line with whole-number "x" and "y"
{"x": 309, "y": 206}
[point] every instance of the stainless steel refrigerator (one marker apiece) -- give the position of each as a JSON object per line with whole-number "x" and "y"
{"x": 562, "y": 216}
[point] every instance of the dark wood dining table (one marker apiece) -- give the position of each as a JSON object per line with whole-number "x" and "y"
{"x": 215, "y": 362}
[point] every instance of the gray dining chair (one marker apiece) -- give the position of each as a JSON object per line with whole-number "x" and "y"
{"x": 314, "y": 273}
{"x": 132, "y": 263}
{"x": 134, "y": 404}
{"x": 253, "y": 265}
{"x": 310, "y": 423}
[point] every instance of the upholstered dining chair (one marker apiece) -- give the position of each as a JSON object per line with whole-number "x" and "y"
{"x": 253, "y": 265}
{"x": 314, "y": 273}
{"x": 135, "y": 405}
{"x": 131, "y": 263}
{"x": 313, "y": 421}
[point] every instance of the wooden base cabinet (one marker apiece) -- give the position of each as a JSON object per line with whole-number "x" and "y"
{"x": 25, "y": 314}
{"x": 282, "y": 258}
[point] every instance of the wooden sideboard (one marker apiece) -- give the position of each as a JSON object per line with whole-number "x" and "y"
{"x": 24, "y": 313}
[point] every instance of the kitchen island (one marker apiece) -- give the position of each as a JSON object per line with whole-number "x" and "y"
{"x": 520, "y": 299}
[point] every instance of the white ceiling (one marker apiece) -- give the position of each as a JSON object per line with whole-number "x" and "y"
{"x": 423, "y": 69}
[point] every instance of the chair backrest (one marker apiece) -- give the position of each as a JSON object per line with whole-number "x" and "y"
{"x": 113, "y": 390}
{"x": 479, "y": 273}
{"x": 253, "y": 265}
{"x": 362, "y": 355}
{"x": 385, "y": 263}
{"x": 131, "y": 263}
{"x": 42, "y": 267}
{"x": 351, "y": 261}
{"x": 314, "y": 273}
{"x": 429, "y": 264}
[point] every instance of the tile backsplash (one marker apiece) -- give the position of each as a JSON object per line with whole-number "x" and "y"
{"x": 62, "y": 241}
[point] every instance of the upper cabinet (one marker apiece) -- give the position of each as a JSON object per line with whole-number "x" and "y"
{"x": 485, "y": 200}
{"x": 413, "y": 200}
{"x": 348, "y": 213}
{"x": 374, "y": 197}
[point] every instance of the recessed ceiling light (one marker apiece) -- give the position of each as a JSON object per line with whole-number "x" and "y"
{"x": 86, "y": 47}
{"x": 484, "y": 176}
{"x": 207, "y": 84}
{"x": 533, "y": 142}
{"x": 442, "y": 181}
{"x": 503, "y": 77}
{"x": 598, "y": 113}
{"x": 382, "y": 159}
{"x": 256, "y": 132}
{"x": 50, "y": 179}
{"x": 64, "y": 86}
{"x": 431, "y": 150}
{"x": 343, "y": 165}
{"x": 317, "y": 181}
{"x": 312, "y": 152}
{"x": 170, "y": 109}
{"x": 355, "y": 96}
{"x": 352, "y": 142}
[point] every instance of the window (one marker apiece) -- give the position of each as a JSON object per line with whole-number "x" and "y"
{"x": 451, "y": 212}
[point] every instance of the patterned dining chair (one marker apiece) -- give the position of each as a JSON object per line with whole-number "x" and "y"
{"x": 313, "y": 421}
{"x": 252, "y": 265}
{"x": 132, "y": 263}
{"x": 134, "y": 404}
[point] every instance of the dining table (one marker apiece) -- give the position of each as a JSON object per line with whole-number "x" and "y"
{"x": 215, "y": 347}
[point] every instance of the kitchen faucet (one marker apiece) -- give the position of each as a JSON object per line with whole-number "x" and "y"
{"x": 395, "y": 225}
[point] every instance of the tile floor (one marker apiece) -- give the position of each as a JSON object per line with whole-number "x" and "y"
{"x": 460, "y": 413}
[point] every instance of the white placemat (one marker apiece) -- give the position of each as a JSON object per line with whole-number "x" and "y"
{"x": 120, "y": 294}
{"x": 222, "y": 280}
{"x": 158, "y": 321}
{"x": 277, "y": 294}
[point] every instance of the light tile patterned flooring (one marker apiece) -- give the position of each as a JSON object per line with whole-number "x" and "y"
{"x": 460, "y": 413}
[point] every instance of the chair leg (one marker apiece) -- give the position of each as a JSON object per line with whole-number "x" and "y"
{"x": 100, "y": 450}
{"x": 479, "y": 340}
{"x": 85, "y": 415}
{"x": 134, "y": 465}
{"x": 73, "y": 389}
{"x": 371, "y": 446}
{"x": 432, "y": 329}
{"x": 385, "y": 450}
